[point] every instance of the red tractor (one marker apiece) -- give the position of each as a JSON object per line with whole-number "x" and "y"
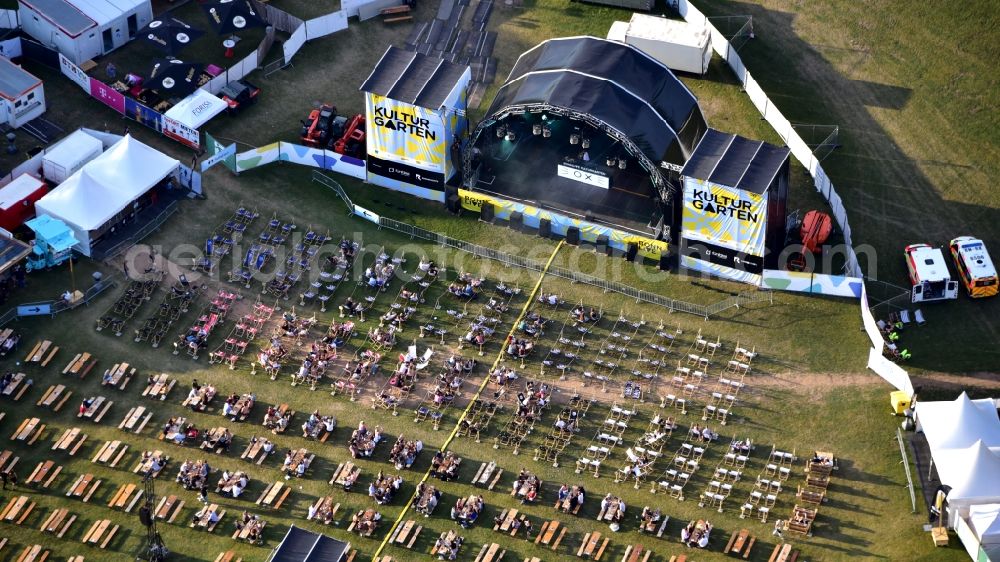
{"x": 325, "y": 129}
{"x": 352, "y": 141}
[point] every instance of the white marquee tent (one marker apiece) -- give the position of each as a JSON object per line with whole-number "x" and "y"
{"x": 105, "y": 187}
{"x": 985, "y": 520}
{"x": 973, "y": 474}
{"x": 959, "y": 423}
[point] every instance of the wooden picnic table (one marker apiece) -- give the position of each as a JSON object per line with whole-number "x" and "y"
{"x": 508, "y": 517}
{"x": 80, "y": 365}
{"x": 255, "y": 451}
{"x": 97, "y": 409}
{"x": 55, "y": 397}
{"x": 227, "y": 556}
{"x": 213, "y": 435}
{"x": 636, "y": 553}
{"x": 741, "y": 543}
{"x": 322, "y": 504}
{"x": 111, "y": 453}
{"x": 118, "y": 376}
{"x": 33, "y": 553}
{"x": 406, "y": 534}
{"x": 244, "y": 533}
{"x": 45, "y": 472}
{"x": 783, "y": 553}
{"x": 58, "y": 522}
{"x": 19, "y": 383}
{"x": 344, "y": 473}
{"x": 126, "y": 497}
{"x": 203, "y": 520}
{"x": 84, "y": 487}
{"x": 42, "y": 352}
{"x": 492, "y": 552}
{"x": 159, "y": 387}
{"x": 590, "y": 549}
{"x": 446, "y": 538}
{"x": 274, "y": 495}
{"x": 70, "y": 441}
{"x": 551, "y": 534}
{"x": 168, "y": 508}
{"x": 29, "y": 431}
{"x": 17, "y": 510}
{"x": 136, "y": 419}
{"x": 488, "y": 473}
{"x": 100, "y": 533}
{"x": 146, "y": 462}
{"x": 8, "y": 461}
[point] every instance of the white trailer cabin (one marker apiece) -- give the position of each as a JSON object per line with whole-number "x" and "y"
{"x": 69, "y": 155}
{"x": 679, "y": 45}
{"x": 84, "y": 29}
{"x": 22, "y": 97}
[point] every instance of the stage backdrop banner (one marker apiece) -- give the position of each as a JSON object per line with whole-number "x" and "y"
{"x": 107, "y": 95}
{"x": 145, "y": 115}
{"x": 815, "y": 283}
{"x": 723, "y": 230}
{"x": 74, "y": 73}
{"x": 404, "y": 133}
{"x": 181, "y": 133}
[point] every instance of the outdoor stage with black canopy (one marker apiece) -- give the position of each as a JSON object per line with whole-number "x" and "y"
{"x": 591, "y": 129}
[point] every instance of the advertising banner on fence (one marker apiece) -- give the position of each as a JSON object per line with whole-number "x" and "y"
{"x": 107, "y": 95}
{"x": 815, "y": 283}
{"x": 723, "y": 230}
{"x": 226, "y": 154}
{"x": 181, "y": 133}
{"x": 257, "y": 157}
{"x": 366, "y": 214}
{"x": 325, "y": 159}
{"x": 214, "y": 147}
{"x": 404, "y": 133}
{"x": 74, "y": 73}
{"x": 145, "y": 115}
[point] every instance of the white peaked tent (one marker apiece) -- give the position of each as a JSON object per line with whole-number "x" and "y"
{"x": 973, "y": 474}
{"x": 94, "y": 195}
{"x": 985, "y": 521}
{"x": 959, "y": 423}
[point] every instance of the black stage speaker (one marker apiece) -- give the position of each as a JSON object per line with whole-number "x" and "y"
{"x": 516, "y": 220}
{"x": 603, "y": 244}
{"x": 544, "y": 228}
{"x": 454, "y": 203}
{"x": 632, "y": 252}
{"x": 486, "y": 214}
{"x": 145, "y": 516}
{"x": 573, "y": 235}
{"x": 664, "y": 262}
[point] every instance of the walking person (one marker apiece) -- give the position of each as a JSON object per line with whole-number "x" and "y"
{"x": 12, "y": 478}
{"x": 203, "y": 493}
{"x": 3, "y": 479}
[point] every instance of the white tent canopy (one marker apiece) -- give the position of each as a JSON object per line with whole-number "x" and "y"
{"x": 973, "y": 474}
{"x": 196, "y": 109}
{"x": 959, "y": 423}
{"x": 106, "y": 186}
{"x": 985, "y": 521}
{"x": 69, "y": 155}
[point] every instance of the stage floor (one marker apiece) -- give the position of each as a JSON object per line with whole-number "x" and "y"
{"x": 629, "y": 204}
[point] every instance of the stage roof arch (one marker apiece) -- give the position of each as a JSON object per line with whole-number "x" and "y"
{"x": 614, "y": 83}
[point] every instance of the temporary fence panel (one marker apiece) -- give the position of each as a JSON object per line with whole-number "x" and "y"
{"x": 294, "y": 43}
{"x": 32, "y": 166}
{"x": 891, "y": 372}
{"x": 257, "y": 157}
{"x": 325, "y": 25}
{"x": 215, "y": 85}
{"x": 280, "y": 19}
{"x": 265, "y": 45}
{"x": 8, "y": 20}
{"x": 799, "y": 148}
{"x": 757, "y": 96}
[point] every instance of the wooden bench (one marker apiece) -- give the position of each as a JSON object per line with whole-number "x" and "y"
{"x": 55, "y": 397}
{"x": 70, "y": 441}
{"x": 590, "y": 549}
{"x": 58, "y": 522}
{"x": 227, "y": 556}
{"x": 492, "y": 552}
{"x": 202, "y": 521}
{"x": 80, "y": 365}
{"x": 100, "y": 533}
{"x": 636, "y": 553}
{"x": 43, "y": 352}
{"x": 274, "y": 495}
{"x": 111, "y": 453}
{"x": 740, "y": 543}
{"x": 136, "y": 419}
{"x": 343, "y": 474}
{"x": 17, "y": 510}
{"x": 33, "y": 553}
{"x": 547, "y": 534}
{"x": 488, "y": 475}
{"x": 406, "y": 534}
{"x": 160, "y": 387}
{"x": 44, "y": 473}
{"x": 118, "y": 376}
{"x": 17, "y": 386}
{"x": 396, "y": 14}
{"x": 783, "y": 553}
{"x": 84, "y": 487}
{"x": 29, "y": 431}
{"x": 681, "y": 558}
{"x": 169, "y": 508}
{"x": 126, "y": 497}
{"x": 97, "y": 409}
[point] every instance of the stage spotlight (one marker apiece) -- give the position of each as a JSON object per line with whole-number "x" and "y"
{"x": 621, "y": 164}
{"x": 536, "y": 129}
{"x": 511, "y": 136}
{"x": 612, "y": 162}
{"x": 545, "y": 117}
{"x": 500, "y": 132}
{"x": 546, "y": 132}
{"x": 574, "y": 139}
{"x": 585, "y": 143}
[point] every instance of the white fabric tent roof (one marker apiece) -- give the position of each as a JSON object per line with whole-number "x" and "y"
{"x": 69, "y": 150}
{"x": 972, "y": 474}
{"x": 107, "y": 184}
{"x": 196, "y": 109}
{"x": 985, "y": 521}
{"x": 959, "y": 423}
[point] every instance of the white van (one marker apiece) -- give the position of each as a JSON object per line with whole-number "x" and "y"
{"x": 929, "y": 274}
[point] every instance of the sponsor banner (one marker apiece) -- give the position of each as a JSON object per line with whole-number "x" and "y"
{"x": 589, "y": 232}
{"x": 720, "y": 255}
{"x": 405, "y": 173}
{"x": 181, "y": 133}
{"x": 323, "y": 159}
{"x": 213, "y": 147}
{"x": 406, "y": 187}
{"x": 107, "y": 95}
{"x": 891, "y": 372}
{"x": 724, "y": 216}
{"x": 366, "y": 214}
{"x": 258, "y": 157}
{"x": 719, "y": 270}
{"x": 404, "y": 133}
{"x": 225, "y": 154}
{"x": 74, "y": 73}
{"x": 145, "y": 115}
{"x": 585, "y": 175}
{"x": 815, "y": 283}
